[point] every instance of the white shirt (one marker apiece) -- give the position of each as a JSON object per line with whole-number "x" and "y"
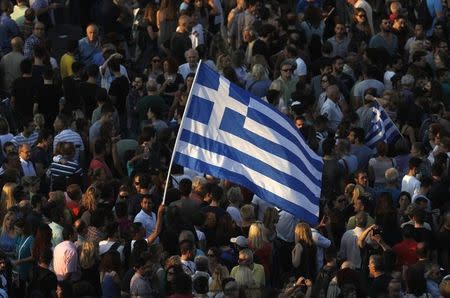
{"x": 105, "y": 245}
{"x": 301, "y": 69}
{"x": 184, "y": 70}
{"x": 332, "y": 111}
{"x": 387, "y": 79}
{"x": 349, "y": 246}
{"x": 410, "y": 184}
{"x": 65, "y": 260}
{"x": 27, "y": 168}
{"x": 197, "y": 36}
{"x": 147, "y": 221}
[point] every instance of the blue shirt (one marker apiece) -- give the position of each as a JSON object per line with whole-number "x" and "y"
{"x": 87, "y": 51}
{"x": 12, "y": 30}
{"x": 303, "y": 4}
{"x": 29, "y": 44}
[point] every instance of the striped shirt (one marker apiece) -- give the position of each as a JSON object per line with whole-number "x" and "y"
{"x": 66, "y": 168}
{"x": 70, "y": 136}
{"x": 21, "y": 139}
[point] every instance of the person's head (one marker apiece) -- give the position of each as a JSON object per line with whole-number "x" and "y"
{"x": 4, "y": 126}
{"x": 191, "y": 56}
{"x": 231, "y": 288}
{"x": 359, "y": 15}
{"x": 245, "y": 257}
{"x": 234, "y": 195}
{"x": 333, "y": 93}
{"x": 39, "y": 29}
{"x": 26, "y": 66}
{"x": 69, "y": 233}
{"x": 444, "y": 287}
{"x": 391, "y": 175}
{"x": 107, "y": 111}
{"x": 416, "y": 283}
{"x": 382, "y": 148}
{"x": 385, "y": 25}
{"x": 187, "y": 249}
{"x": 25, "y": 152}
{"x": 257, "y": 236}
{"x": 286, "y": 69}
{"x": 356, "y": 135}
{"x": 360, "y": 204}
{"x": 17, "y": 44}
{"x": 414, "y": 165}
{"x": 185, "y": 187}
{"x": 8, "y": 221}
{"x": 182, "y": 284}
{"x": 339, "y": 29}
{"x": 183, "y": 23}
{"x": 303, "y": 234}
{"x": 375, "y": 265}
{"x": 213, "y": 192}
{"x": 92, "y": 33}
{"x": 247, "y": 213}
{"x": 146, "y": 203}
{"x": 361, "y": 219}
{"x": 248, "y": 34}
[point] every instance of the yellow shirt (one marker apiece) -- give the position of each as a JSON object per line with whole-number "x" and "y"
{"x": 66, "y": 65}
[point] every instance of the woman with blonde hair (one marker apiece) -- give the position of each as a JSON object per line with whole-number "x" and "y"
{"x": 304, "y": 254}
{"x": 89, "y": 263}
{"x": 7, "y": 199}
{"x": 258, "y": 82}
{"x": 262, "y": 248}
{"x": 8, "y": 234}
{"x": 88, "y": 204}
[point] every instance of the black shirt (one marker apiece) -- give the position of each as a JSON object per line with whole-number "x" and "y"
{"x": 180, "y": 43}
{"x": 379, "y": 285}
{"x": 88, "y": 92}
{"x": 24, "y": 91}
{"x": 72, "y": 94}
{"x": 44, "y": 281}
{"x": 48, "y": 98}
{"x": 119, "y": 89}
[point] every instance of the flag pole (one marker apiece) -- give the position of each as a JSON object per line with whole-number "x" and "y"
{"x": 186, "y": 108}
{"x": 396, "y": 127}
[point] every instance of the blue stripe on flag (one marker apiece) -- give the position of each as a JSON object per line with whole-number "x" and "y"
{"x": 207, "y": 77}
{"x": 246, "y": 159}
{"x": 233, "y": 123}
{"x": 296, "y": 210}
{"x": 203, "y": 111}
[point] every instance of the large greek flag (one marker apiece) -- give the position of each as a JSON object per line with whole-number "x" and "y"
{"x": 228, "y": 133}
{"x": 383, "y": 128}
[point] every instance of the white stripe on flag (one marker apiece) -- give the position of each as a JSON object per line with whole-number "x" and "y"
{"x": 257, "y": 178}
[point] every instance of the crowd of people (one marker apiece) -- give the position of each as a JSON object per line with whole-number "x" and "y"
{"x": 87, "y": 137}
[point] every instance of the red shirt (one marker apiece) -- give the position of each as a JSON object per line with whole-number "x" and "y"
{"x": 406, "y": 253}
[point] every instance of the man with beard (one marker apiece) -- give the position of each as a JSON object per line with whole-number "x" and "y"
{"x": 190, "y": 66}
{"x": 385, "y": 38}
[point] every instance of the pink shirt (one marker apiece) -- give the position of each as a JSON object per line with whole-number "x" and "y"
{"x": 65, "y": 260}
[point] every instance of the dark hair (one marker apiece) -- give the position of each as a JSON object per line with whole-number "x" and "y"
{"x": 182, "y": 283}
{"x": 66, "y": 288}
{"x": 48, "y": 73}
{"x": 416, "y": 283}
{"x": 26, "y": 66}
{"x": 99, "y": 147}
{"x": 414, "y": 162}
{"x": 359, "y": 133}
{"x": 107, "y": 107}
{"x": 121, "y": 209}
{"x": 377, "y": 261}
{"x": 68, "y": 231}
{"x": 215, "y": 191}
{"x": 72, "y": 46}
{"x": 111, "y": 229}
{"x": 110, "y": 262}
{"x": 77, "y": 67}
{"x": 44, "y": 134}
{"x": 200, "y": 284}
{"x": 101, "y": 95}
{"x": 114, "y": 65}
{"x": 328, "y": 146}
{"x": 186, "y": 246}
{"x": 92, "y": 70}
{"x": 185, "y": 187}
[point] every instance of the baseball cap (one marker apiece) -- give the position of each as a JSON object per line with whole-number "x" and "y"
{"x": 240, "y": 241}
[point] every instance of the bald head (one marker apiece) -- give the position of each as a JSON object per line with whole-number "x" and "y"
{"x": 92, "y": 33}
{"x": 17, "y": 44}
{"x": 152, "y": 85}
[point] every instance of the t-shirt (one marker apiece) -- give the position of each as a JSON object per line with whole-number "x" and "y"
{"x": 24, "y": 91}
{"x": 118, "y": 91}
{"x": 88, "y": 93}
{"x": 66, "y": 65}
{"x": 147, "y": 102}
{"x": 410, "y": 184}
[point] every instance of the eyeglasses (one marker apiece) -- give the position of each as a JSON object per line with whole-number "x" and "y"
{"x": 137, "y": 182}
{"x": 123, "y": 196}
{"x": 361, "y": 15}
{"x": 287, "y": 70}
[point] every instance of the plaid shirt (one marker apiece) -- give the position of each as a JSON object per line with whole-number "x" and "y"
{"x": 30, "y": 42}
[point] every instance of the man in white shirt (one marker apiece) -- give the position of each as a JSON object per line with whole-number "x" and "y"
{"x": 25, "y": 160}
{"x": 350, "y": 250}
{"x": 146, "y": 216}
{"x": 409, "y": 182}
{"x": 331, "y": 109}
{"x": 65, "y": 256}
{"x": 111, "y": 243}
{"x": 190, "y": 66}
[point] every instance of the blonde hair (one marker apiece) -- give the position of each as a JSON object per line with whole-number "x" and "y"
{"x": 88, "y": 254}
{"x": 197, "y": 183}
{"x": 7, "y": 198}
{"x": 270, "y": 218}
{"x": 358, "y": 191}
{"x": 303, "y": 233}
{"x": 257, "y": 236}
{"x": 89, "y": 199}
{"x": 6, "y": 229}
{"x": 259, "y": 72}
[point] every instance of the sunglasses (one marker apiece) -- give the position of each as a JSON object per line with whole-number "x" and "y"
{"x": 325, "y": 81}
{"x": 287, "y": 70}
{"x": 123, "y": 196}
{"x": 361, "y": 15}
{"x": 137, "y": 182}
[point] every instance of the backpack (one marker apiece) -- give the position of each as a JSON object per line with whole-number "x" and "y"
{"x": 423, "y": 14}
